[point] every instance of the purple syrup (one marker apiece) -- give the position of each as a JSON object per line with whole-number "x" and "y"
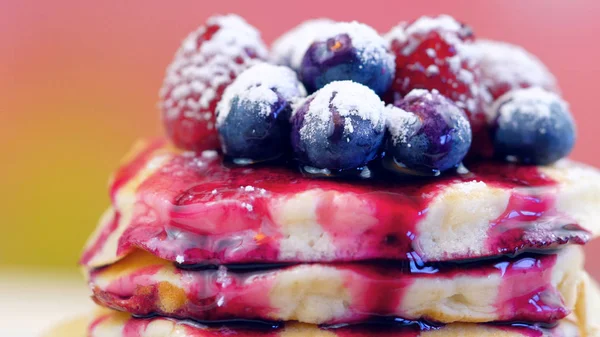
{"x": 199, "y": 210}
{"x": 380, "y": 327}
{"x": 234, "y": 267}
{"x": 377, "y": 289}
{"x": 413, "y": 265}
{"x": 237, "y": 323}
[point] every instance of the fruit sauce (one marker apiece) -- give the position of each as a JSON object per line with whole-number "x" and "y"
{"x": 522, "y": 288}
{"x": 134, "y": 327}
{"x": 196, "y": 209}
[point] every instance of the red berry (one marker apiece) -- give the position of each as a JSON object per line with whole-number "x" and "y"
{"x": 505, "y": 67}
{"x": 206, "y": 63}
{"x": 439, "y": 54}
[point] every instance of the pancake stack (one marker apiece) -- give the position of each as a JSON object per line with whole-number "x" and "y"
{"x": 194, "y": 248}
{"x": 194, "y": 245}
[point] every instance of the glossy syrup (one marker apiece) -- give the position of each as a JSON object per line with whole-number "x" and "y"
{"x": 135, "y": 327}
{"x": 199, "y": 211}
{"x": 96, "y": 246}
{"x": 377, "y": 289}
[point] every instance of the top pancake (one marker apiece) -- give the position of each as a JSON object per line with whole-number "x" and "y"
{"x": 192, "y": 209}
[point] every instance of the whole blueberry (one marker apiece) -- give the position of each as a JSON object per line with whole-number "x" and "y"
{"x": 339, "y": 127}
{"x": 532, "y": 126}
{"x": 253, "y": 115}
{"x": 348, "y": 51}
{"x": 427, "y": 134}
{"x": 290, "y": 47}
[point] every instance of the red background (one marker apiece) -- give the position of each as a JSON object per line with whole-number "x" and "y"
{"x": 79, "y": 82}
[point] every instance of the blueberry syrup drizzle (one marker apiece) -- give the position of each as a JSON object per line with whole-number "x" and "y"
{"x": 126, "y": 172}
{"x": 201, "y": 211}
{"x": 237, "y": 323}
{"x": 386, "y": 323}
{"x": 378, "y": 289}
{"x": 234, "y": 267}
{"x": 383, "y": 328}
{"x": 412, "y": 265}
{"x": 522, "y": 210}
{"x": 88, "y": 254}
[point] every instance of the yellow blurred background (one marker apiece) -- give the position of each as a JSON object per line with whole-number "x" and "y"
{"x": 79, "y": 82}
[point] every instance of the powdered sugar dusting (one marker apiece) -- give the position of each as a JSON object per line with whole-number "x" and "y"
{"x": 417, "y": 93}
{"x": 289, "y": 48}
{"x": 364, "y": 38}
{"x": 261, "y": 84}
{"x": 534, "y": 102}
{"x": 400, "y": 124}
{"x": 510, "y": 65}
{"x": 461, "y": 61}
{"x": 420, "y": 96}
{"x": 398, "y": 32}
{"x": 197, "y": 73}
{"x": 233, "y": 35}
{"x": 209, "y": 154}
{"x": 425, "y": 24}
{"x": 348, "y": 99}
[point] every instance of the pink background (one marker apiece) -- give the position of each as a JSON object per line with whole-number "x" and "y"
{"x": 79, "y": 82}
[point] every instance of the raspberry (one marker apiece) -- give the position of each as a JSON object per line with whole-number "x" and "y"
{"x": 439, "y": 54}
{"x": 505, "y": 67}
{"x": 436, "y": 53}
{"x": 209, "y": 59}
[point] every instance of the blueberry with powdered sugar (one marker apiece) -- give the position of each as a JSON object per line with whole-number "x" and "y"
{"x": 253, "y": 115}
{"x": 531, "y": 126}
{"x": 348, "y": 51}
{"x": 290, "y": 47}
{"x": 339, "y": 127}
{"x": 427, "y": 134}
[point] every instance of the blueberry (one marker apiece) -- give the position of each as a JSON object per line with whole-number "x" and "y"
{"x": 253, "y": 115}
{"x": 339, "y": 127}
{"x": 427, "y": 134}
{"x": 289, "y": 48}
{"x": 532, "y": 126}
{"x": 348, "y": 51}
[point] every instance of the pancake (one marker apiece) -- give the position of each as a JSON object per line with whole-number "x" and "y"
{"x": 535, "y": 288}
{"x": 191, "y": 208}
{"x": 588, "y": 307}
{"x": 122, "y": 325}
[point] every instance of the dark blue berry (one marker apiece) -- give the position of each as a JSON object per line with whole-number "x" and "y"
{"x": 253, "y": 115}
{"x": 427, "y": 134}
{"x": 339, "y": 127}
{"x": 349, "y": 51}
{"x": 532, "y": 126}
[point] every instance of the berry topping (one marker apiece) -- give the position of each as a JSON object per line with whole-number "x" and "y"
{"x": 253, "y": 115}
{"x": 339, "y": 127}
{"x": 505, "y": 67}
{"x": 208, "y": 60}
{"x": 427, "y": 134}
{"x": 531, "y": 126}
{"x": 289, "y": 48}
{"x": 348, "y": 51}
{"x": 438, "y": 53}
